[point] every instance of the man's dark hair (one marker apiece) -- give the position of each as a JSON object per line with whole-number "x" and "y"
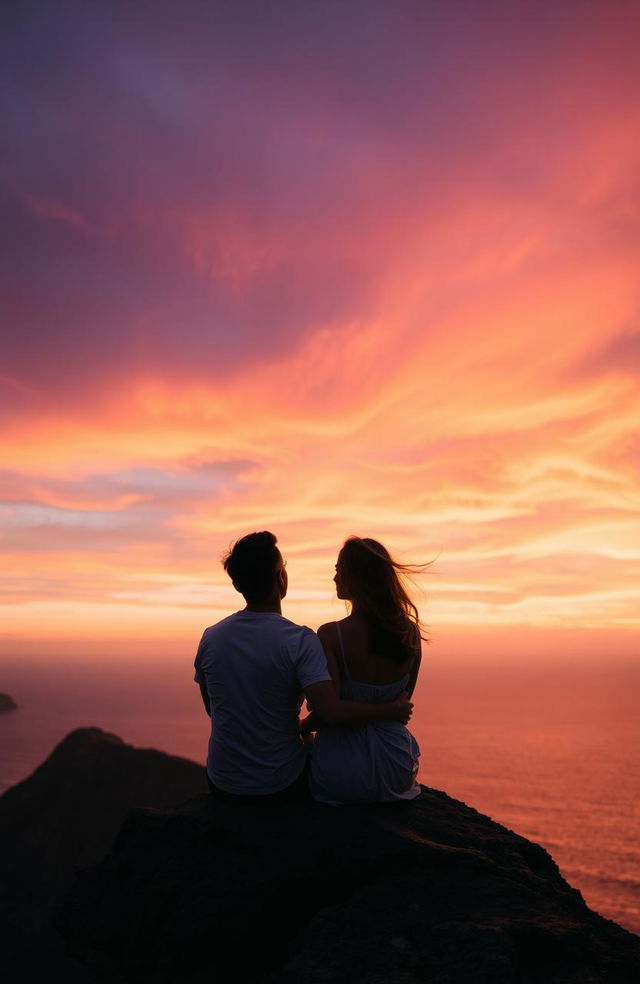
{"x": 252, "y": 565}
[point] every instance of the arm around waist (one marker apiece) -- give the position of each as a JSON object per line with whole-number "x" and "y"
{"x": 334, "y": 711}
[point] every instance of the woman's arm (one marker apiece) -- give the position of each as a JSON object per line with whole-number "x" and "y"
{"x": 327, "y": 636}
{"x": 415, "y": 665}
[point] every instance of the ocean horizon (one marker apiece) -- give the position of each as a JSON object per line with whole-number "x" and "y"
{"x": 549, "y": 750}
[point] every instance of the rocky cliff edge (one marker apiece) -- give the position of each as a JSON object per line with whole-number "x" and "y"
{"x": 427, "y": 891}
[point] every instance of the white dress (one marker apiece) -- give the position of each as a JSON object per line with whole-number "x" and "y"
{"x": 376, "y": 763}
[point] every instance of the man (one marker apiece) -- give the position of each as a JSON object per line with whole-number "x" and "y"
{"x": 253, "y": 668}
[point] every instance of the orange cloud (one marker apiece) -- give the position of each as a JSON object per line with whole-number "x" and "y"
{"x": 406, "y": 306}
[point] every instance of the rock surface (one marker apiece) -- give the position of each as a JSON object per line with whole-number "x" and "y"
{"x": 65, "y": 816}
{"x": 428, "y": 891}
{"x": 7, "y": 703}
{"x": 424, "y": 891}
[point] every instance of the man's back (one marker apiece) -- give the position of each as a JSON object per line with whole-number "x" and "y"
{"x": 255, "y": 666}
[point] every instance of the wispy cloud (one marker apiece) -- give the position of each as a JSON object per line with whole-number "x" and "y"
{"x": 355, "y": 268}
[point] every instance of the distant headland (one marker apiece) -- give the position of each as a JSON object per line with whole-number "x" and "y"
{"x": 7, "y": 703}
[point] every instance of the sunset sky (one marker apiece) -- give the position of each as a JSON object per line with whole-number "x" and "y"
{"x": 322, "y": 268}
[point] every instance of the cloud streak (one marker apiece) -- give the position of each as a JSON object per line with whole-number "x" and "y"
{"x": 350, "y": 268}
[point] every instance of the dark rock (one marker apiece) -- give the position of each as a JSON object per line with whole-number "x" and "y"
{"x": 7, "y": 703}
{"x": 424, "y": 891}
{"x": 66, "y": 815}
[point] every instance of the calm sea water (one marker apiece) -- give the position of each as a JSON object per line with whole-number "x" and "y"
{"x": 551, "y": 751}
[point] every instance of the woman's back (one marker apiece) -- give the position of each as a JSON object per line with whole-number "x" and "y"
{"x": 364, "y": 676}
{"x": 374, "y": 763}
{"x": 372, "y": 655}
{"x": 354, "y": 647}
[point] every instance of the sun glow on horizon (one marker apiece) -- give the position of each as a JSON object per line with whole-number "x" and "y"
{"x": 402, "y": 305}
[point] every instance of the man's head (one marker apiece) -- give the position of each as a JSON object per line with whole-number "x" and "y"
{"x": 256, "y": 567}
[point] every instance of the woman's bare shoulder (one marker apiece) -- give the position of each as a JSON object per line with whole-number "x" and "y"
{"x": 327, "y": 627}
{"x": 327, "y": 632}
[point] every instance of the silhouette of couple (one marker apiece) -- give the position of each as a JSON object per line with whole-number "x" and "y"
{"x": 357, "y": 675}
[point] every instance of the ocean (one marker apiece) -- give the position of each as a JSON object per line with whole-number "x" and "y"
{"x": 550, "y": 749}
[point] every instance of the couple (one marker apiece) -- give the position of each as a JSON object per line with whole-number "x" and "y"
{"x": 357, "y": 674}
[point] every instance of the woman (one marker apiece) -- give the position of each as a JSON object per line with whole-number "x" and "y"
{"x": 373, "y": 655}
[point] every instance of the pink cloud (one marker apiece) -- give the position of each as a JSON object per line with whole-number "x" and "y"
{"x": 353, "y": 269}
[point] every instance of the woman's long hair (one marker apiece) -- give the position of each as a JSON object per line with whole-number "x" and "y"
{"x": 374, "y": 581}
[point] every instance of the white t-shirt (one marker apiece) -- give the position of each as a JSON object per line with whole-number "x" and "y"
{"x": 255, "y": 666}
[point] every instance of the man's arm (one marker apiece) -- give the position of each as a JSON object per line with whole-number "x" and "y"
{"x": 309, "y": 724}
{"x": 415, "y": 666}
{"x": 332, "y": 710}
{"x": 205, "y": 698}
{"x": 200, "y": 679}
{"x": 329, "y": 708}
